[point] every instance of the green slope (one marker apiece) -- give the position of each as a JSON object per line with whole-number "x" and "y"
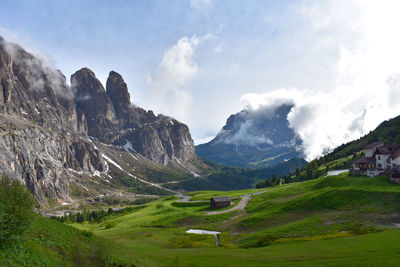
{"x": 388, "y": 131}
{"x": 51, "y": 243}
{"x": 340, "y": 220}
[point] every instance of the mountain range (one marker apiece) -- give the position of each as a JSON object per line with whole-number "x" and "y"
{"x": 78, "y": 142}
{"x": 66, "y": 141}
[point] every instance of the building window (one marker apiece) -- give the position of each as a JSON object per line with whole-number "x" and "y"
{"x": 379, "y": 165}
{"x": 379, "y": 157}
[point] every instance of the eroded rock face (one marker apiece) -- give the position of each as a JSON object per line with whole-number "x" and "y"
{"x": 117, "y": 91}
{"x": 91, "y": 98}
{"x": 41, "y": 160}
{"x": 40, "y": 126}
{"x": 34, "y": 91}
{"x": 117, "y": 121}
{"x": 45, "y": 125}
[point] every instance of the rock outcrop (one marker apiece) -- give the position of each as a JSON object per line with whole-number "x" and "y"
{"x": 46, "y": 126}
{"x": 40, "y": 128}
{"x": 114, "y": 120}
{"x": 92, "y": 100}
{"x": 117, "y": 91}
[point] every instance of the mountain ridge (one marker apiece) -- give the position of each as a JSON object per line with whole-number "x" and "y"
{"x": 51, "y": 134}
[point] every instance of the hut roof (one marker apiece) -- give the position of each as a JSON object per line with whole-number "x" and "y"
{"x": 365, "y": 160}
{"x": 374, "y": 144}
{"x": 220, "y": 199}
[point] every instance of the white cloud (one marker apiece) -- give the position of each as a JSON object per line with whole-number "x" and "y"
{"x": 38, "y": 70}
{"x": 244, "y": 135}
{"x": 178, "y": 62}
{"x": 367, "y": 81}
{"x": 170, "y": 84}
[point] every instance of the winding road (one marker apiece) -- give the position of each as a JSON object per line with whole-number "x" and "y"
{"x": 240, "y": 206}
{"x": 245, "y": 199}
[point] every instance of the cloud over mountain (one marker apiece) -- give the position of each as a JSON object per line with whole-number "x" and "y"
{"x": 367, "y": 74}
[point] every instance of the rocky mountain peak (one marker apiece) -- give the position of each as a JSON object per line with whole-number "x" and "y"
{"x": 46, "y": 127}
{"x": 86, "y": 85}
{"x": 41, "y": 136}
{"x": 265, "y": 126}
{"x": 114, "y": 120}
{"x": 91, "y": 98}
{"x": 252, "y": 138}
{"x": 29, "y": 86}
{"x": 117, "y": 91}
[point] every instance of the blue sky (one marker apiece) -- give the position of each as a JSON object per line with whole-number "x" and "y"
{"x": 202, "y": 60}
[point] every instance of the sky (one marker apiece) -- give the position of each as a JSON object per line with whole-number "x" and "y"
{"x": 336, "y": 61}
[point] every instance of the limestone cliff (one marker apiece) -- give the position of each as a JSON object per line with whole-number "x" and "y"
{"x": 113, "y": 119}
{"x": 48, "y": 129}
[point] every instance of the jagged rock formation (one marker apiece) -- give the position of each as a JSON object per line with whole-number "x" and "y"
{"x": 260, "y": 138}
{"x": 91, "y": 98}
{"x": 113, "y": 119}
{"x": 45, "y": 126}
{"x": 117, "y": 91}
{"x": 40, "y": 131}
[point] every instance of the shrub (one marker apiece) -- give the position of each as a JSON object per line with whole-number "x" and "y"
{"x": 87, "y": 233}
{"x": 360, "y": 229}
{"x": 110, "y": 225}
{"x": 16, "y": 210}
{"x": 97, "y": 255}
{"x": 266, "y": 240}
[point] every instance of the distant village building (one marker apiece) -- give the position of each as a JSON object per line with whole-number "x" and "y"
{"x": 220, "y": 202}
{"x": 380, "y": 158}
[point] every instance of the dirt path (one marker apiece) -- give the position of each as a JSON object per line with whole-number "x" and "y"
{"x": 240, "y": 206}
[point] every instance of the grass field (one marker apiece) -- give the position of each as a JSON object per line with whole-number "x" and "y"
{"x": 340, "y": 220}
{"x": 206, "y": 195}
{"x": 51, "y": 243}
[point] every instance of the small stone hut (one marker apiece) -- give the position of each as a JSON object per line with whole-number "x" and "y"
{"x": 220, "y": 202}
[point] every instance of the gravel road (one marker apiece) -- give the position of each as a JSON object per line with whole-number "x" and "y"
{"x": 240, "y": 206}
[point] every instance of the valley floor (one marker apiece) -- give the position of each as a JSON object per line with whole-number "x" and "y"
{"x": 333, "y": 221}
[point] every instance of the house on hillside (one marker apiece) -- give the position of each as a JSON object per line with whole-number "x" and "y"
{"x": 220, "y": 202}
{"x": 380, "y": 158}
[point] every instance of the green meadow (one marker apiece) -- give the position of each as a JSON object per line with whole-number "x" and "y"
{"x": 339, "y": 220}
{"x": 50, "y": 243}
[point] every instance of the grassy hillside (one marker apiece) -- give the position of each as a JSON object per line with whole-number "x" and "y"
{"x": 341, "y": 220}
{"x": 51, "y": 243}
